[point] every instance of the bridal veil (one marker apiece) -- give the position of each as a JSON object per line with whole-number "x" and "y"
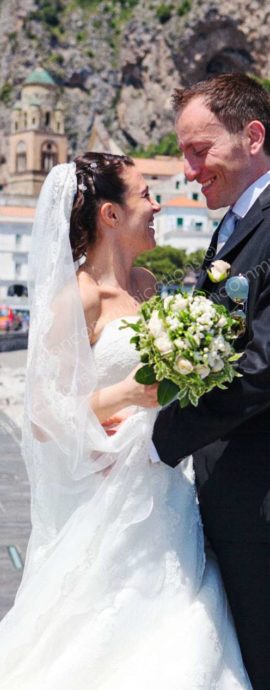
{"x": 65, "y": 447}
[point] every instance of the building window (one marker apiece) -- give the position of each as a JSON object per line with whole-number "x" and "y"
{"x": 179, "y": 222}
{"x": 18, "y": 270}
{"x": 195, "y": 196}
{"x": 47, "y": 119}
{"x": 49, "y": 156}
{"x": 16, "y": 126}
{"x": 158, "y": 198}
{"x": 25, "y": 120}
{"x": 58, "y": 126}
{"x": 177, "y": 184}
{"x": 198, "y": 226}
{"x": 18, "y": 240}
{"x": 21, "y": 157}
{"x": 33, "y": 120}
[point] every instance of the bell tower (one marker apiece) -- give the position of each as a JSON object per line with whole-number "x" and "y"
{"x": 37, "y": 140}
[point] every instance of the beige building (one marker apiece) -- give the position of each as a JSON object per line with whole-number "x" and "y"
{"x": 37, "y": 140}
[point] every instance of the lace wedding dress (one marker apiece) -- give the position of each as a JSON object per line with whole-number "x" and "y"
{"x": 122, "y": 597}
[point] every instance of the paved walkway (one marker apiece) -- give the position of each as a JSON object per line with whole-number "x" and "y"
{"x": 14, "y": 510}
{"x": 13, "y": 359}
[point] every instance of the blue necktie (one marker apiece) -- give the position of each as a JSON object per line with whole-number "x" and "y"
{"x": 227, "y": 228}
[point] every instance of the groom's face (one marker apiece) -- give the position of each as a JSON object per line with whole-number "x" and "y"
{"x": 218, "y": 159}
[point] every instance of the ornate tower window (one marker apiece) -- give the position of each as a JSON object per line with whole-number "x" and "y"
{"x": 25, "y": 120}
{"x": 21, "y": 157}
{"x": 49, "y": 156}
{"x": 47, "y": 119}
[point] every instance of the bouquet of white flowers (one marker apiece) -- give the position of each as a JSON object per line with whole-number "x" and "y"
{"x": 185, "y": 343}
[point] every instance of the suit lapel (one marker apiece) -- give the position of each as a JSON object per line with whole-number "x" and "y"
{"x": 209, "y": 256}
{"x": 245, "y": 227}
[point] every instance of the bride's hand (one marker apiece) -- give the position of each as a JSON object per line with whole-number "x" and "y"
{"x": 138, "y": 393}
{"x": 108, "y": 401}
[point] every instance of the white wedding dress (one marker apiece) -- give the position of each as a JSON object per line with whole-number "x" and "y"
{"x": 123, "y": 599}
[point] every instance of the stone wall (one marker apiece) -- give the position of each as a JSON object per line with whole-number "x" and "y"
{"x": 124, "y": 65}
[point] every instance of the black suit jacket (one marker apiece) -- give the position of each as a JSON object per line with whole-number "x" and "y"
{"x": 229, "y": 432}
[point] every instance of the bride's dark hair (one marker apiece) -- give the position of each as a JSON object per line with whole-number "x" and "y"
{"x": 98, "y": 178}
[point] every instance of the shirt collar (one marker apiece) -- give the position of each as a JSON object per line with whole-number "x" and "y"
{"x": 250, "y": 195}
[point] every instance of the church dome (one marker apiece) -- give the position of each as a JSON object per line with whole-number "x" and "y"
{"x": 41, "y": 77}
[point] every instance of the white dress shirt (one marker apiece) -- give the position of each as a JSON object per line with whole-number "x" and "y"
{"x": 240, "y": 208}
{"x": 250, "y": 195}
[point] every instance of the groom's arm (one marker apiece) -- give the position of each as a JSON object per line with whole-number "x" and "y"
{"x": 178, "y": 432}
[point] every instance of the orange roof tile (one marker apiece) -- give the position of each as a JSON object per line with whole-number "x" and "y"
{"x": 167, "y": 166}
{"x": 25, "y": 212}
{"x": 184, "y": 201}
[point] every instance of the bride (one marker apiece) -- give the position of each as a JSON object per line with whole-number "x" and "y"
{"x": 116, "y": 592}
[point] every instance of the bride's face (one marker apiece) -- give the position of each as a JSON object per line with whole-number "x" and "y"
{"x": 137, "y": 212}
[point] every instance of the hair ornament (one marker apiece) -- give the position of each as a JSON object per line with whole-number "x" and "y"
{"x": 82, "y": 187}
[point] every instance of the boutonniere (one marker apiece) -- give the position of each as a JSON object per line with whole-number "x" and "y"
{"x": 220, "y": 270}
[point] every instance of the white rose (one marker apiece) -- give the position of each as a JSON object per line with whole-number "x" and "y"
{"x": 227, "y": 348}
{"x": 219, "y": 343}
{"x": 202, "y": 306}
{"x": 167, "y": 302}
{"x": 180, "y": 344}
{"x": 218, "y": 364}
{"x": 183, "y": 366}
{"x": 202, "y": 370}
{"x": 219, "y": 271}
{"x": 179, "y": 303}
{"x": 211, "y": 358}
{"x": 155, "y": 325}
{"x": 205, "y": 320}
{"x": 197, "y": 337}
{"x": 173, "y": 322}
{"x": 222, "y": 321}
{"x": 164, "y": 344}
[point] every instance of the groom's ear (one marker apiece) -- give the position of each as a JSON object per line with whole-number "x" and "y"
{"x": 255, "y": 131}
{"x": 109, "y": 214}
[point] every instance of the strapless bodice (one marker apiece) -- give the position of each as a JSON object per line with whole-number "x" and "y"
{"x": 114, "y": 355}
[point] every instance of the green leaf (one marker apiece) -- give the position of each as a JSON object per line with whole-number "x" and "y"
{"x": 184, "y": 402}
{"x": 183, "y": 393}
{"x": 126, "y": 324}
{"x": 235, "y": 357}
{"x": 194, "y": 399}
{"x": 144, "y": 357}
{"x": 145, "y": 375}
{"x": 167, "y": 391}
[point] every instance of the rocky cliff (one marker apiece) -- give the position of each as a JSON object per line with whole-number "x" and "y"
{"x": 122, "y": 58}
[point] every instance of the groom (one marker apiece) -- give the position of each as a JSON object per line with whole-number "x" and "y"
{"x": 223, "y": 128}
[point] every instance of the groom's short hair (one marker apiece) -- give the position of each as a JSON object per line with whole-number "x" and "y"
{"x": 235, "y": 99}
